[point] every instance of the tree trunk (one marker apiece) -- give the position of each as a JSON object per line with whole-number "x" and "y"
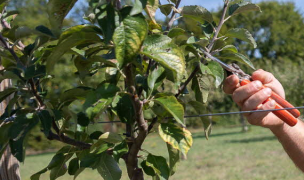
{"x": 9, "y": 165}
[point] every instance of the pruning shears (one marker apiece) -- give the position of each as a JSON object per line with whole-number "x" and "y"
{"x": 288, "y": 116}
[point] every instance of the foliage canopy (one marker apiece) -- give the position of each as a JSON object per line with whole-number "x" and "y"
{"x": 132, "y": 56}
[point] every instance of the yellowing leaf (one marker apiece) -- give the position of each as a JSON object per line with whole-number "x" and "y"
{"x": 161, "y": 49}
{"x": 179, "y": 138}
{"x": 128, "y": 38}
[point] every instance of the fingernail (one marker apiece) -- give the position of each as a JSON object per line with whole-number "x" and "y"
{"x": 272, "y": 103}
{"x": 257, "y": 84}
{"x": 267, "y": 91}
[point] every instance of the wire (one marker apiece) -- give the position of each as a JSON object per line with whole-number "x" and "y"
{"x": 220, "y": 114}
{"x": 241, "y": 112}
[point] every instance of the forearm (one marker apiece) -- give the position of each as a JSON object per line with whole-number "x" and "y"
{"x": 292, "y": 139}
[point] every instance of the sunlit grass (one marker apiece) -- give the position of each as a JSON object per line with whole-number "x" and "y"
{"x": 227, "y": 155}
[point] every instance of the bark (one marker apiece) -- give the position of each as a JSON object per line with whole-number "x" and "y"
{"x": 9, "y": 165}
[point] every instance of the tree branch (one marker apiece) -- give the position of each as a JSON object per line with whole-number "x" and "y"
{"x": 31, "y": 81}
{"x": 218, "y": 29}
{"x": 134, "y": 172}
{"x": 171, "y": 20}
{"x": 67, "y": 140}
{"x": 209, "y": 48}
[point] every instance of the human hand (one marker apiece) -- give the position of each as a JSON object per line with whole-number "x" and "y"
{"x": 251, "y": 96}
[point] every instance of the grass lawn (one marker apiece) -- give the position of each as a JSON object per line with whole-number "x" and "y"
{"x": 227, "y": 155}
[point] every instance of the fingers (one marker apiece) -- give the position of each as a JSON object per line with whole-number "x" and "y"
{"x": 270, "y": 81}
{"x": 257, "y": 117}
{"x": 257, "y": 99}
{"x": 244, "y": 92}
{"x": 263, "y": 76}
{"x": 230, "y": 84}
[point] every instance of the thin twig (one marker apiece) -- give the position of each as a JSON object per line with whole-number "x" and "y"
{"x": 218, "y": 29}
{"x": 154, "y": 120}
{"x": 171, "y": 20}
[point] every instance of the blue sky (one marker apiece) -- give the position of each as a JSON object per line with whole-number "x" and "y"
{"x": 214, "y": 4}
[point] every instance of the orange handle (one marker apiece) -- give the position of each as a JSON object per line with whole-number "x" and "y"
{"x": 289, "y": 117}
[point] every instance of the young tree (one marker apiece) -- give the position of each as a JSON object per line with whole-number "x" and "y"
{"x": 136, "y": 57}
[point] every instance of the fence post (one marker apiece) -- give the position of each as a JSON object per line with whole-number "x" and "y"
{"x": 9, "y": 165}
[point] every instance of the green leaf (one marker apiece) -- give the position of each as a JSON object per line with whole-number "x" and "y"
{"x": 119, "y": 150}
{"x": 159, "y": 165}
{"x": 242, "y": 7}
{"x": 4, "y": 133}
{"x": 88, "y": 160}
{"x": 7, "y": 92}
{"x": 36, "y": 176}
{"x": 108, "y": 168}
{"x": 217, "y": 71}
{"x": 173, "y": 158}
{"x": 44, "y": 31}
{"x": 242, "y": 34}
{"x": 84, "y": 65}
{"x": 237, "y": 57}
{"x": 57, "y": 10}
{"x": 111, "y": 137}
{"x": 34, "y": 71}
{"x": 124, "y": 108}
{"x": 99, "y": 99}
{"x": 17, "y": 148}
{"x": 105, "y": 15}
{"x": 170, "y": 104}
{"x": 161, "y": 49}
{"x": 201, "y": 109}
{"x": 203, "y": 42}
{"x": 70, "y": 38}
{"x": 192, "y": 40}
{"x": 179, "y": 138}
{"x": 46, "y": 120}
{"x": 201, "y": 85}
{"x": 128, "y": 38}
{"x": 147, "y": 169}
{"x": 176, "y": 32}
{"x": 8, "y": 75}
{"x": 23, "y": 123}
{"x": 82, "y": 119}
{"x": 157, "y": 75}
{"x": 230, "y": 48}
{"x": 166, "y": 9}
{"x": 75, "y": 93}
{"x": 197, "y": 13}
{"x": 138, "y": 7}
{"x": 57, "y": 160}
{"x": 73, "y": 166}
{"x": 58, "y": 171}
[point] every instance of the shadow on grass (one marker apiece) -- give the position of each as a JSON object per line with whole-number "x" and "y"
{"x": 251, "y": 140}
{"x": 197, "y": 136}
